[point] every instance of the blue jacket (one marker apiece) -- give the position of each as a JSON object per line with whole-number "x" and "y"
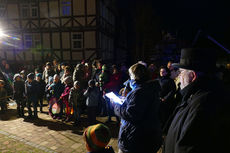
{"x": 57, "y": 89}
{"x": 140, "y": 126}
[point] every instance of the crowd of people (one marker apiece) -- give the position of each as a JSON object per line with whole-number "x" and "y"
{"x": 183, "y": 106}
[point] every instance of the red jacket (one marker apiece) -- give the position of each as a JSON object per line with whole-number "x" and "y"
{"x": 114, "y": 83}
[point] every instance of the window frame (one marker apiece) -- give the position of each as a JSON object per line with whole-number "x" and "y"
{"x": 34, "y": 40}
{"x": 29, "y": 9}
{"x": 66, "y": 8}
{"x": 77, "y": 39}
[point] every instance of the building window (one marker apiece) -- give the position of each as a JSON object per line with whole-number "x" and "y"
{"x": 32, "y": 41}
{"x": 25, "y": 11}
{"x": 66, "y": 8}
{"x": 29, "y": 10}
{"x": 34, "y": 11}
{"x": 2, "y": 9}
{"x": 77, "y": 41}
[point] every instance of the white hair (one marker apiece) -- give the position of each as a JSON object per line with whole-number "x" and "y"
{"x": 143, "y": 63}
{"x": 186, "y": 77}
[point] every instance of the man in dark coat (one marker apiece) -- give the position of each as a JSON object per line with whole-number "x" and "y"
{"x": 201, "y": 122}
{"x": 168, "y": 89}
{"x": 140, "y": 130}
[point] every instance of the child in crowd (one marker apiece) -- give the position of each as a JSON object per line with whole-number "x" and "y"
{"x": 18, "y": 94}
{"x": 97, "y": 138}
{"x": 47, "y": 89}
{"x": 41, "y": 89}
{"x": 93, "y": 95}
{"x": 3, "y": 97}
{"x": 68, "y": 81}
{"x": 31, "y": 94}
{"x": 76, "y": 101}
{"x": 55, "y": 89}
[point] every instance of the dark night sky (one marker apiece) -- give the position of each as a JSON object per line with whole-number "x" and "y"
{"x": 187, "y": 17}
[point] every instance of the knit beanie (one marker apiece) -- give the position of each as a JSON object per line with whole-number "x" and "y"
{"x": 97, "y": 137}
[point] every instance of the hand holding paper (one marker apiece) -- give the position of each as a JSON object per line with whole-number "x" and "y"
{"x": 114, "y": 97}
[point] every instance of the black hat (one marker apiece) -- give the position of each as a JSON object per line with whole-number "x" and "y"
{"x": 198, "y": 59}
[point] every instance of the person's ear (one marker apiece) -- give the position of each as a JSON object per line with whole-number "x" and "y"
{"x": 193, "y": 76}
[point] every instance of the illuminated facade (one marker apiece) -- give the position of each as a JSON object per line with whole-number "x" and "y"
{"x": 69, "y": 30}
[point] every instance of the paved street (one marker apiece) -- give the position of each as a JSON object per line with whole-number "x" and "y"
{"x": 44, "y": 134}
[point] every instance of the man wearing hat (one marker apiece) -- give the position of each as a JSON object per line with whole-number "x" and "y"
{"x": 201, "y": 121}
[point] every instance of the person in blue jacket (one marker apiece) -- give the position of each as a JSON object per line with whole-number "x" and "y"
{"x": 140, "y": 129}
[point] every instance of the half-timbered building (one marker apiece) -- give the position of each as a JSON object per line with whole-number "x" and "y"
{"x": 69, "y": 30}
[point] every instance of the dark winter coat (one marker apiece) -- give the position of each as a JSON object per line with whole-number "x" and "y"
{"x": 78, "y": 75}
{"x": 3, "y": 97}
{"x": 95, "y": 74}
{"x": 140, "y": 126}
{"x": 201, "y": 122}
{"x": 76, "y": 98}
{"x": 93, "y": 96}
{"x": 41, "y": 88}
{"x": 19, "y": 90}
{"x": 31, "y": 90}
{"x": 168, "y": 89}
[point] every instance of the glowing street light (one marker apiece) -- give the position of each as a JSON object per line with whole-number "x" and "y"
{"x": 1, "y": 33}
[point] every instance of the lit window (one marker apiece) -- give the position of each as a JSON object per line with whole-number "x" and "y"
{"x": 66, "y": 8}
{"x": 77, "y": 40}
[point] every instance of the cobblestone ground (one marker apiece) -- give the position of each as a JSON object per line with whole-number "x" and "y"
{"x": 9, "y": 144}
{"x": 45, "y": 134}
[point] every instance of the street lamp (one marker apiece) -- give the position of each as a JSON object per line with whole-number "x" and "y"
{"x": 1, "y": 33}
